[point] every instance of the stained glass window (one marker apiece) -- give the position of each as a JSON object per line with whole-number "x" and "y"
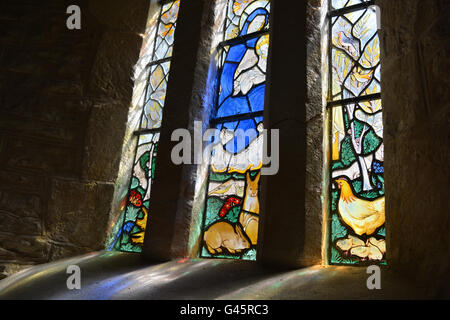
{"x": 130, "y": 235}
{"x": 357, "y": 221}
{"x": 231, "y": 216}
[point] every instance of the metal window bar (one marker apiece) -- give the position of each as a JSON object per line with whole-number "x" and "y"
{"x": 163, "y": 2}
{"x": 146, "y": 131}
{"x": 242, "y": 39}
{"x": 236, "y": 117}
{"x": 374, "y": 96}
{"x": 160, "y": 61}
{"x": 339, "y": 12}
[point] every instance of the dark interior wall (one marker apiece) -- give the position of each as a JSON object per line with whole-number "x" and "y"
{"x": 64, "y": 99}
{"x": 415, "y": 84}
{"x": 65, "y": 96}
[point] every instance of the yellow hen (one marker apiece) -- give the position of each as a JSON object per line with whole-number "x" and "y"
{"x": 363, "y": 216}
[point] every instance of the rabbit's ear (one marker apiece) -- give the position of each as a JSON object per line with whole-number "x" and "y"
{"x": 258, "y": 176}
{"x": 239, "y": 231}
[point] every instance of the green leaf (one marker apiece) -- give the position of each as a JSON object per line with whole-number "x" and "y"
{"x": 371, "y": 143}
{"x": 382, "y": 232}
{"x": 143, "y": 160}
{"x": 347, "y": 154}
{"x": 134, "y": 182}
{"x": 338, "y": 231}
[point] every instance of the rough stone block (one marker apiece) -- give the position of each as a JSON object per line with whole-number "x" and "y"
{"x": 17, "y": 248}
{"x": 59, "y": 251}
{"x": 31, "y": 154}
{"x": 78, "y": 213}
{"x": 7, "y": 269}
{"x": 112, "y": 72}
{"x": 415, "y": 99}
{"x": 18, "y": 183}
{"x": 125, "y": 16}
{"x": 20, "y": 225}
{"x": 103, "y": 143}
{"x": 62, "y": 110}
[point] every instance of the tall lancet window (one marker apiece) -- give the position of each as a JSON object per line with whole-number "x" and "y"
{"x": 231, "y": 216}
{"x": 155, "y": 57}
{"x": 357, "y": 217}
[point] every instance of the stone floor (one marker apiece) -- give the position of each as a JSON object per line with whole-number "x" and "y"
{"x": 114, "y": 275}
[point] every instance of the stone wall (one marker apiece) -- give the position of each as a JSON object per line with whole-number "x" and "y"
{"x": 64, "y": 105}
{"x": 64, "y": 99}
{"x": 415, "y": 84}
{"x": 315, "y": 173}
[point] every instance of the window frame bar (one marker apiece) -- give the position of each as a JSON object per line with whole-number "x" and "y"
{"x": 368, "y": 97}
{"x": 164, "y": 2}
{"x": 160, "y": 61}
{"x": 237, "y": 117}
{"x": 342, "y": 11}
{"x": 242, "y": 39}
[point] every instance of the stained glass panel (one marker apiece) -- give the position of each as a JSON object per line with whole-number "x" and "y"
{"x": 166, "y": 30}
{"x": 243, "y": 76}
{"x": 131, "y": 235}
{"x": 240, "y": 146}
{"x": 357, "y": 217}
{"x": 232, "y": 202}
{"x": 135, "y": 205}
{"x": 155, "y": 96}
{"x": 355, "y": 55}
{"x": 246, "y": 16}
{"x": 231, "y": 217}
{"x": 357, "y": 195}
